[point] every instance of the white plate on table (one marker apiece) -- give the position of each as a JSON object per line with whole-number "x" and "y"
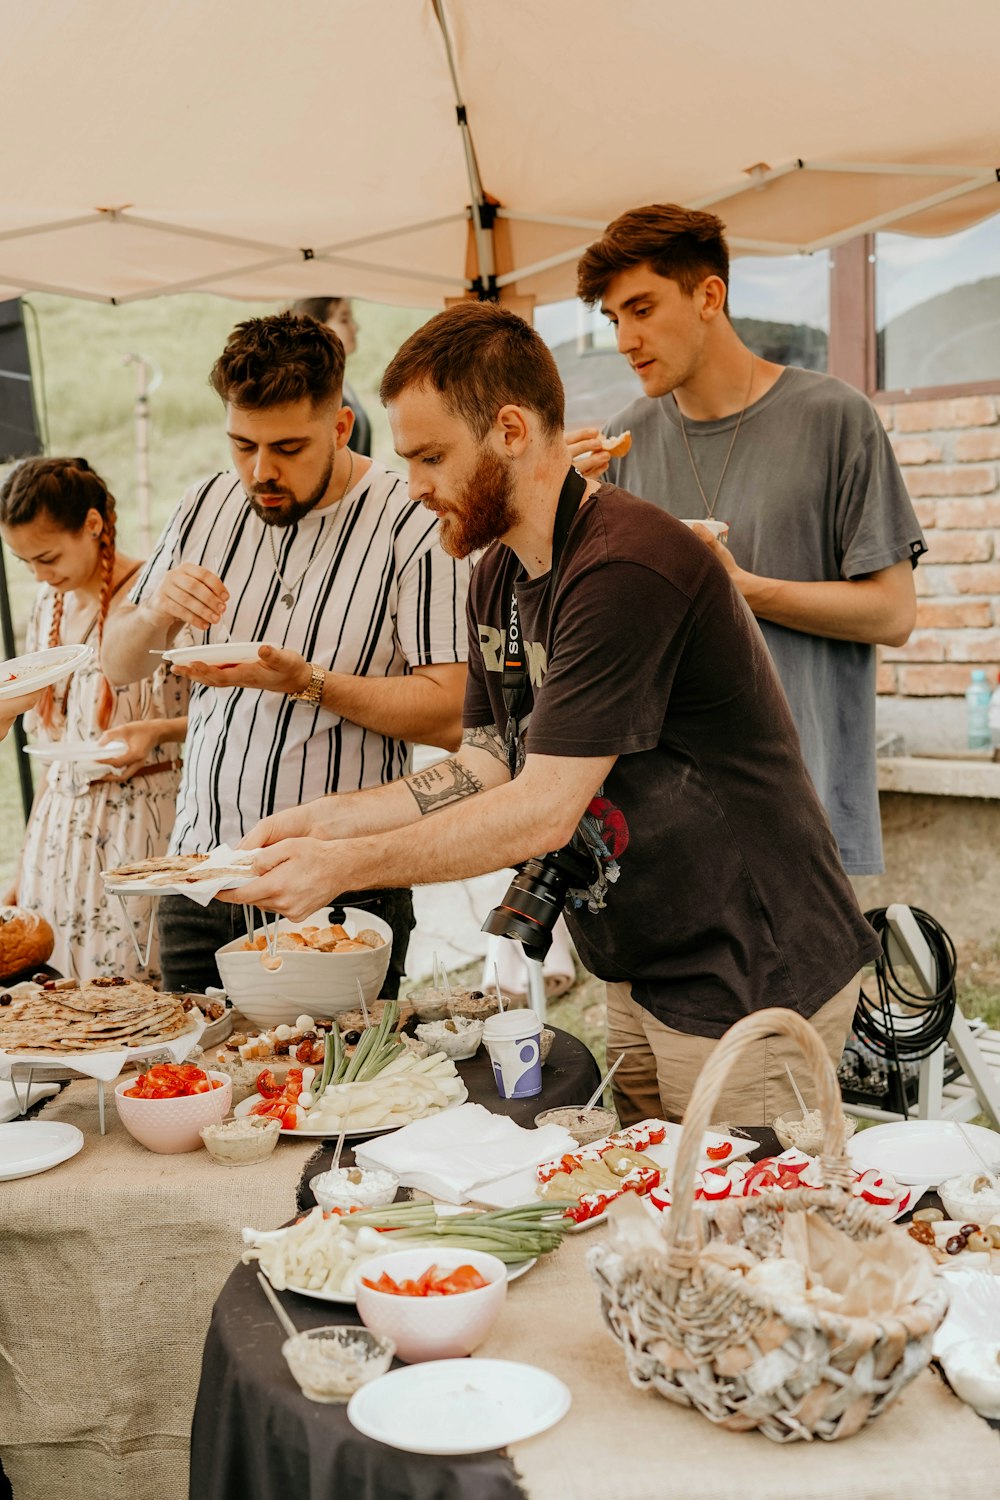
{"x": 459, "y": 1405}
{"x": 40, "y": 669}
{"x": 30, "y": 1146}
{"x": 245, "y": 1106}
{"x": 519, "y": 1187}
{"x": 10, "y": 1098}
{"x": 923, "y": 1153}
{"x": 218, "y": 654}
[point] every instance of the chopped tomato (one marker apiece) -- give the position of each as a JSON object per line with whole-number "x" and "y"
{"x": 719, "y": 1152}
{"x": 431, "y": 1283}
{"x": 268, "y": 1085}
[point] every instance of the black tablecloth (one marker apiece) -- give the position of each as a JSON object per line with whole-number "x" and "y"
{"x": 256, "y": 1437}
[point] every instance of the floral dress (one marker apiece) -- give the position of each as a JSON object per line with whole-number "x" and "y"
{"x": 80, "y": 827}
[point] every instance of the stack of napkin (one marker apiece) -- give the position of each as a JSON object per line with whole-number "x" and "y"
{"x": 451, "y": 1154}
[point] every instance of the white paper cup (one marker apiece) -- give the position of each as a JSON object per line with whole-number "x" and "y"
{"x": 513, "y": 1041}
{"x": 719, "y": 529}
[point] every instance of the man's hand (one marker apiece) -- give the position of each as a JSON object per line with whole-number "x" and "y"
{"x": 275, "y": 671}
{"x": 141, "y": 738}
{"x": 580, "y": 446}
{"x": 296, "y": 878}
{"x": 721, "y": 552}
{"x": 190, "y": 595}
{"x": 294, "y": 823}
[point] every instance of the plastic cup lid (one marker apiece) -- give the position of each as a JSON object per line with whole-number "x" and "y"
{"x": 512, "y": 1023}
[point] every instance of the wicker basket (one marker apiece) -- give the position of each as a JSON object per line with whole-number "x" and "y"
{"x": 703, "y": 1336}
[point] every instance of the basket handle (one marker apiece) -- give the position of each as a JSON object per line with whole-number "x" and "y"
{"x": 708, "y": 1086}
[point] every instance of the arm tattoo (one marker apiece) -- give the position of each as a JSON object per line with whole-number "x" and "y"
{"x": 442, "y": 784}
{"x": 487, "y": 738}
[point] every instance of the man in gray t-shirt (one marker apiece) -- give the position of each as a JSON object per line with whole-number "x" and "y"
{"x": 822, "y": 536}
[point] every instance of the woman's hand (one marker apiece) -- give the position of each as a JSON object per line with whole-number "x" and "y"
{"x": 141, "y": 738}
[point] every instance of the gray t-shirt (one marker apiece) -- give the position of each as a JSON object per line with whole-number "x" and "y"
{"x": 812, "y": 492}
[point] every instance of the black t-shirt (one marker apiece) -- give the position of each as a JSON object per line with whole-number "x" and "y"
{"x": 729, "y": 895}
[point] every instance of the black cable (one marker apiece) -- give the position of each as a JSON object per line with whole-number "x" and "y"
{"x": 904, "y": 1025}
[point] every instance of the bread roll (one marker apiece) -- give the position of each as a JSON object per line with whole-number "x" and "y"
{"x": 26, "y": 940}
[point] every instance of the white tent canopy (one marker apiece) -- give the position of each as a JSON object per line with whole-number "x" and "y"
{"x": 266, "y": 150}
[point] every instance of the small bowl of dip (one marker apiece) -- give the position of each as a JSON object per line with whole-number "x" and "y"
{"x": 354, "y": 1187}
{"x": 458, "y": 1037}
{"x": 972, "y": 1198}
{"x": 804, "y": 1132}
{"x": 333, "y": 1362}
{"x": 243, "y": 1142}
{"x": 584, "y": 1125}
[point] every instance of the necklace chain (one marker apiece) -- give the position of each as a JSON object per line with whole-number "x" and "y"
{"x": 710, "y": 509}
{"x": 288, "y": 597}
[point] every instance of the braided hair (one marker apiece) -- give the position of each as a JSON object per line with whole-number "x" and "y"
{"x": 65, "y": 489}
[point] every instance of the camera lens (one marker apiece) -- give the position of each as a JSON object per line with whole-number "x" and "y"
{"x": 535, "y": 897}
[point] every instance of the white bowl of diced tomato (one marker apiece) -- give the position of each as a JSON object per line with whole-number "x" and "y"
{"x": 165, "y": 1108}
{"x": 432, "y": 1303}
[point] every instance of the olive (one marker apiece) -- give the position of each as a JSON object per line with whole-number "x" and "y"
{"x": 6, "y": 999}
{"x": 352, "y": 1038}
{"x": 927, "y": 1215}
{"x": 992, "y": 1232}
{"x": 39, "y": 978}
{"x": 968, "y": 1229}
{"x": 978, "y": 1240}
{"x": 955, "y": 1245}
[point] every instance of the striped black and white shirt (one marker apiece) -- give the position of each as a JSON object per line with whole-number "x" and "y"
{"x": 382, "y": 599}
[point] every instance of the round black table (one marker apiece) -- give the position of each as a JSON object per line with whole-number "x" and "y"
{"x": 256, "y": 1437}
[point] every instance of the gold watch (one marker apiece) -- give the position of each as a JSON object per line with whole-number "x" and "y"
{"x": 313, "y": 692}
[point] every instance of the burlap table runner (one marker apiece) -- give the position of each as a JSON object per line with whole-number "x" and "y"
{"x": 619, "y": 1443}
{"x": 111, "y": 1263}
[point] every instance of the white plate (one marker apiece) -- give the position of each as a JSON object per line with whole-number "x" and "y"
{"x": 10, "y": 1098}
{"x": 29, "y": 1146}
{"x": 923, "y": 1153}
{"x": 218, "y": 654}
{"x": 459, "y": 1405}
{"x": 39, "y": 669}
{"x": 74, "y": 750}
{"x": 348, "y": 1299}
{"x": 519, "y": 1187}
{"x": 245, "y": 1106}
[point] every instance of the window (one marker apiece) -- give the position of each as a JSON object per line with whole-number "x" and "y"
{"x": 780, "y": 307}
{"x": 937, "y": 309}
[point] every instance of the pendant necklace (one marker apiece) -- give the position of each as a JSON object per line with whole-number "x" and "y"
{"x": 288, "y": 597}
{"x": 710, "y": 509}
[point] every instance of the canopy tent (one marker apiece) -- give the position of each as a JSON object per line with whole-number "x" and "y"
{"x": 264, "y": 151}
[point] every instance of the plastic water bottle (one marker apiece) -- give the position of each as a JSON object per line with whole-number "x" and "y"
{"x": 995, "y": 721}
{"x": 977, "y": 706}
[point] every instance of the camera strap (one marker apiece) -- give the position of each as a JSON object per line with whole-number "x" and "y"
{"x": 514, "y": 681}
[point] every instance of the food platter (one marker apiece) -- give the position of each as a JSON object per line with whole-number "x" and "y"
{"x": 72, "y": 751}
{"x": 349, "y": 1299}
{"x": 218, "y": 654}
{"x": 40, "y": 669}
{"x": 454, "y": 1406}
{"x": 181, "y": 874}
{"x": 245, "y": 1106}
{"x": 520, "y": 1187}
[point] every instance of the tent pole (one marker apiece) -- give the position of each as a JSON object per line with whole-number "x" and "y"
{"x": 483, "y": 212}
{"x": 17, "y": 733}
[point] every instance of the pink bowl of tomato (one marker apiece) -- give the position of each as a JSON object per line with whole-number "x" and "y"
{"x": 174, "y": 1102}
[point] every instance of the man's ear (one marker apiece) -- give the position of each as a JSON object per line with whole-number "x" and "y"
{"x": 513, "y": 430}
{"x": 344, "y": 426}
{"x": 713, "y": 294}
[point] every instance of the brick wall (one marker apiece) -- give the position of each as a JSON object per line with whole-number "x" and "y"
{"x": 949, "y": 452}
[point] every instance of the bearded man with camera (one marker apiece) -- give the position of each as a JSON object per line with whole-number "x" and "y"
{"x": 626, "y": 741}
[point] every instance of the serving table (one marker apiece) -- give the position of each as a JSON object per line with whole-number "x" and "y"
{"x": 111, "y": 1264}
{"x": 256, "y": 1437}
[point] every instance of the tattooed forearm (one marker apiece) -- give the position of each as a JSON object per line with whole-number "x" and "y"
{"x": 487, "y": 738}
{"x": 442, "y": 784}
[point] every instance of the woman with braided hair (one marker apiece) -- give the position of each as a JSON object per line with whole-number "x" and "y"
{"x": 58, "y": 516}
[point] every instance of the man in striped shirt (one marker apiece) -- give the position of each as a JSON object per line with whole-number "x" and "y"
{"x": 321, "y": 555}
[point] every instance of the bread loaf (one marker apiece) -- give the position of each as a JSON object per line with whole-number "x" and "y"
{"x": 26, "y": 940}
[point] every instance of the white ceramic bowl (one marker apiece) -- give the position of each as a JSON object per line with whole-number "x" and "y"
{"x": 961, "y": 1203}
{"x": 173, "y": 1125}
{"x": 307, "y": 983}
{"x": 432, "y": 1327}
{"x": 334, "y": 1189}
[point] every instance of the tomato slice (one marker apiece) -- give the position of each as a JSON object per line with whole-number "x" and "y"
{"x": 719, "y": 1152}
{"x": 267, "y": 1084}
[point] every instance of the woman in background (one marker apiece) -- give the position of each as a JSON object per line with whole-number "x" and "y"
{"x": 336, "y": 313}
{"x": 58, "y": 517}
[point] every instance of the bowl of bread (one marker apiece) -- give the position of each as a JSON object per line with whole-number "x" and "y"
{"x": 313, "y": 966}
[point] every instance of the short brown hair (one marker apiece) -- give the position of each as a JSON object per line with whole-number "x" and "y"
{"x": 276, "y": 360}
{"x": 480, "y": 357}
{"x": 683, "y": 244}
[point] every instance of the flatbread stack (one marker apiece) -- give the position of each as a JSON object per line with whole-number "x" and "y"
{"x": 177, "y": 869}
{"x": 92, "y": 1018}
